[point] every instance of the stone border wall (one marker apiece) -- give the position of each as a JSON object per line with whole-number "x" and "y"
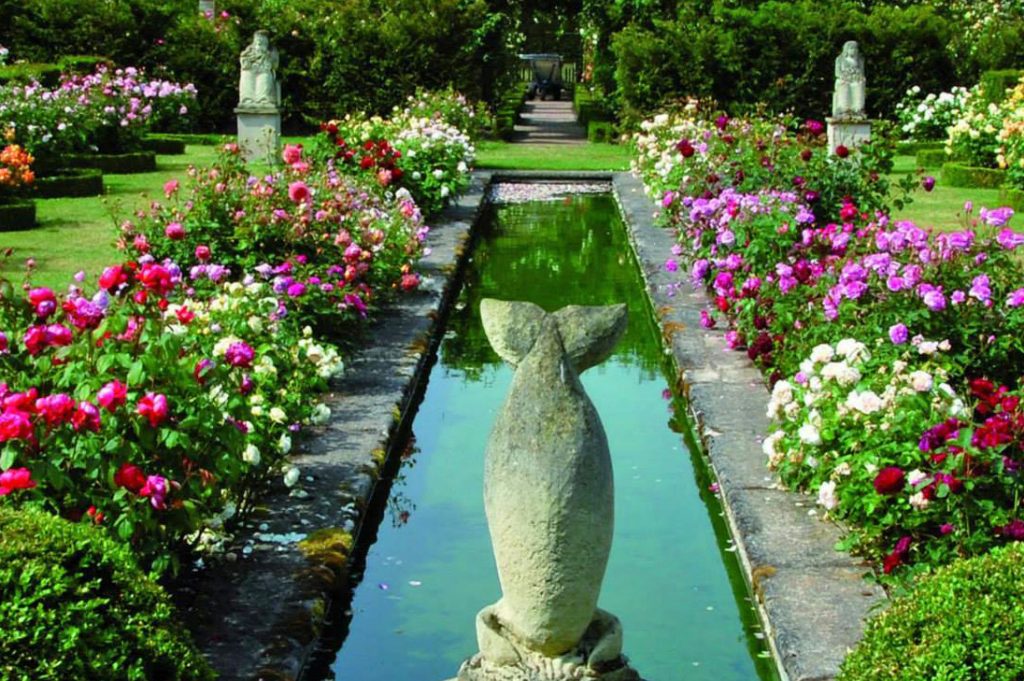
{"x": 812, "y": 598}
{"x": 259, "y": 612}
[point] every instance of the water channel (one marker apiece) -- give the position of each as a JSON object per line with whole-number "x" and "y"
{"x": 671, "y": 579}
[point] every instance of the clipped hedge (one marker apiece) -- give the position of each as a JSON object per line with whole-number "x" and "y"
{"x": 1012, "y": 197}
{"x": 167, "y": 145}
{"x": 133, "y": 162}
{"x": 70, "y": 182}
{"x": 962, "y": 623}
{"x": 931, "y": 158}
{"x": 994, "y": 84}
{"x": 914, "y": 148}
{"x": 960, "y": 175}
{"x": 73, "y": 605}
{"x": 589, "y": 108}
{"x": 601, "y": 131}
{"x": 17, "y": 215}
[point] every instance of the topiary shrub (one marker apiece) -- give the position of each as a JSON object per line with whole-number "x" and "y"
{"x": 931, "y": 158}
{"x": 962, "y": 623}
{"x": 960, "y": 175}
{"x": 601, "y": 131}
{"x": 73, "y": 605}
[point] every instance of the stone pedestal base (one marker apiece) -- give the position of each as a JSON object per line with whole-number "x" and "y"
{"x": 259, "y": 134}
{"x": 207, "y": 5}
{"x": 849, "y": 133}
{"x": 598, "y": 656}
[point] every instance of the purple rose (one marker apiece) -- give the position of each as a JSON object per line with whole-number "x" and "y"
{"x": 898, "y": 334}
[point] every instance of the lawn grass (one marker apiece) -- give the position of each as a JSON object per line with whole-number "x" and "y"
{"x": 589, "y": 156}
{"x": 942, "y": 208}
{"x": 79, "y": 234}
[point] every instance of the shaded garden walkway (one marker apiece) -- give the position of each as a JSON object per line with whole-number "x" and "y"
{"x": 551, "y": 122}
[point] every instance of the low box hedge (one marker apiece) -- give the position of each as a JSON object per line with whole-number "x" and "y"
{"x": 961, "y": 175}
{"x": 914, "y": 148}
{"x": 74, "y": 605}
{"x": 17, "y": 215}
{"x": 115, "y": 164}
{"x": 70, "y": 182}
{"x": 164, "y": 144}
{"x": 1012, "y": 197}
{"x": 962, "y": 623}
{"x": 47, "y": 74}
{"x": 601, "y": 131}
{"x": 931, "y": 158}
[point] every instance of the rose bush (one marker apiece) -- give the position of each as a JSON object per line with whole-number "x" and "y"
{"x": 883, "y": 431}
{"x": 929, "y": 117}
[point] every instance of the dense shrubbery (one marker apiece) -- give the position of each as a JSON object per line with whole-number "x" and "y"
{"x": 781, "y": 53}
{"x": 961, "y": 624}
{"x": 73, "y": 605}
{"x": 356, "y": 55}
{"x": 910, "y": 431}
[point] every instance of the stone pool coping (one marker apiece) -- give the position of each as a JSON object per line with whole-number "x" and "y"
{"x": 812, "y": 598}
{"x": 259, "y": 613}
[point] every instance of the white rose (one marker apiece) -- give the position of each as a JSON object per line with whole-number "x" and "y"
{"x": 438, "y": 174}
{"x": 783, "y": 392}
{"x": 822, "y": 353}
{"x": 321, "y": 413}
{"x": 827, "y": 495}
{"x": 251, "y": 455}
{"x": 921, "y": 381}
{"x": 277, "y": 415}
{"x": 291, "y": 476}
{"x": 809, "y": 434}
{"x": 285, "y": 443}
{"x": 916, "y": 476}
{"x": 918, "y": 501}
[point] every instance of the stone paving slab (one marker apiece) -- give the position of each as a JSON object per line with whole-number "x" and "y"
{"x": 549, "y": 122}
{"x": 812, "y": 599}
{"x": 258, "y": 612}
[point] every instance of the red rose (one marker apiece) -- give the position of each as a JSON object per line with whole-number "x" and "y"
{"x": 130, "y": 477}
{"x": 842, "y": 151}
{"x": 889, "y": 480}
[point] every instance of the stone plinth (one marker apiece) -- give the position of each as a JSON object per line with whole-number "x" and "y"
{"x": 848, "y": 132}
{"x": 259, "y": 133}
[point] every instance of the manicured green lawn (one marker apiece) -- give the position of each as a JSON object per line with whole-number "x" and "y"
{"x": 79, "y": 234}
{"x": 590, "y": 156}
{"x": 942, "y": 208}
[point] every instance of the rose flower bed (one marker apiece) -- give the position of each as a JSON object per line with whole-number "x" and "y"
{"x": 894, "y": 351}
{"x": 157, "y": 401}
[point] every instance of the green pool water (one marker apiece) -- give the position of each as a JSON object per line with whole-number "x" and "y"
{"x": 671, "y": 579}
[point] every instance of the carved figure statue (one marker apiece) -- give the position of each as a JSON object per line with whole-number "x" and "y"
{"x": 848, "y": 98}
{"x": 258, "y": 85}
{"x": 549, "y": 500}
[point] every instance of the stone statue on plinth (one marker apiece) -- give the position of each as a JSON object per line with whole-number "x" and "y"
{"x": 848, "y": 98}
{"x": 549, "y": 500}
{"x": 259, "y": 101}
{"x": 849, "y": 126}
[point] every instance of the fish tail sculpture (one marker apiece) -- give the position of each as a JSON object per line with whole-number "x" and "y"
{"x": 549, "y": 500}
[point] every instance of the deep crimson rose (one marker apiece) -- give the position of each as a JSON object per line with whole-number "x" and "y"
{"x": 130, "y": 477}
{"x": 34, "y": 339}
{"x": 842, "y": 151}
{"x": 685, "y": 148}
{"x": 890, "y": 480}
{"x": 891, "y": 562}
{"x": 806, "y": 155}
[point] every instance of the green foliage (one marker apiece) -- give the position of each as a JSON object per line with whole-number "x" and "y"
{"x": 73, "y": 605}
{"x": 994, "y": 84}
{"x": 928, "y": 158}
{"x": 1013, "y": 198}
{"x": 960, "y": 624}
{"x": 601, "y": 131}
{"x": 960, "y": 175}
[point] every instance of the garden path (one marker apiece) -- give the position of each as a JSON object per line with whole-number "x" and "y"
{"x": 549, "y": 122}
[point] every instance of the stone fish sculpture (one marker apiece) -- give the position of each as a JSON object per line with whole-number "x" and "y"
{"x": 549, "y": 501}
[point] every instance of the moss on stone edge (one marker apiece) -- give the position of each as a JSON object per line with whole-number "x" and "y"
{"x": 328, "y": 546}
